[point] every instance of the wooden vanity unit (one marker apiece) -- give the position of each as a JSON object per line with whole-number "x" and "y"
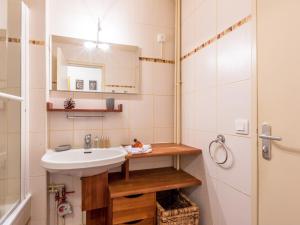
{"x": 132, "y": 194}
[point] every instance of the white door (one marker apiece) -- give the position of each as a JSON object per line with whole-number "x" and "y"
{"x": 278, "y": 64}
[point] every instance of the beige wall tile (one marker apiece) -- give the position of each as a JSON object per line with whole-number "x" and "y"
{"x": 37, "y": 67}
{"x": 141, "y": 112}
{"x": 57, "y": 138}
{"x": 163, "y": 111}
{"x": 163, "y": 79}
{"x": 163, "y": 135}
{"x": 37, "y": 110}
{"x": 144, "y": 135}
{"x": 37, "y": 147}
{"x": 117, "y": 137}
{"x": 38, "y": 185}
{"x": 78, "y": 141}
{"x": 58, "y": 122}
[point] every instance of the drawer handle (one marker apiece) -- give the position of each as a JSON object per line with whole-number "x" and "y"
{"x": 134, "y": 196}
{"x": 134, "y": 222}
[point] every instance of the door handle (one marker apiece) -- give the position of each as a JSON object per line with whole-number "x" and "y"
{"x": 273, "y": 138}
{"x": 267, "y": 137}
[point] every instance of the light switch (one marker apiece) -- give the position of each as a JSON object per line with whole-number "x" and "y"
{"x": 242, "y": 126}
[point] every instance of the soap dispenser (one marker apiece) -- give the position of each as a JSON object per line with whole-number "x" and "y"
{"x": 96, "y": 142}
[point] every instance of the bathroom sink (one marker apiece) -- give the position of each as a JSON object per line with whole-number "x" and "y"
{"x": 83, "y": 162}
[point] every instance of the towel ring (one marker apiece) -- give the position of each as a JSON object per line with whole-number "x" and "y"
{"x": 219, "y": 140}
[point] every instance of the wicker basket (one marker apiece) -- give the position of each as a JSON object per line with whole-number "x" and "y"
{"x": 183, "y": 211}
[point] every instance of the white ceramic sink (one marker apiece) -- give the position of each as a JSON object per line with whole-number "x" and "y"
{"x": 83, "y": 162}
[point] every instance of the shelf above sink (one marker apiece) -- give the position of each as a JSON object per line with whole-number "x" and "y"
{"x": 50, "y": 108}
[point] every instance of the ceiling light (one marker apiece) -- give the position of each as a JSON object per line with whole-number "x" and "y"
{"x": 89, "y": 45}
{"x": 103, "y": 46}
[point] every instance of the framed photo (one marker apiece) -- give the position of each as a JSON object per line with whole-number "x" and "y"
{"x": 79, "y": 84}
{"x": 93, "y": 85}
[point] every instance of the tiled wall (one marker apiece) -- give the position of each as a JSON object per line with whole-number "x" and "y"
{"x": 37, "y": 112}
{"x": 148, "y": 115}
{"x": 216, "y": 91}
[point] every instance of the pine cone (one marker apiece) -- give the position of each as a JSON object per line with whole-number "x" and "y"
{"x": 69, "y": 103}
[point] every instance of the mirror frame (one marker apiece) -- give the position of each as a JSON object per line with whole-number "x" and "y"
{"x": 78, "y": 41}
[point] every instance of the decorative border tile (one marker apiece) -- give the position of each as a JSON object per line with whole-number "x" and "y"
{"x": 36, "y": 42}
{"x": 14, "y": 40}
{"x": 119, "y": 86}
{"x": 157, "y": 60}
{"x": 218, "y": 36}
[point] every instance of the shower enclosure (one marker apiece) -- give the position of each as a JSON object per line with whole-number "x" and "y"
{"x": 11, "y": 105}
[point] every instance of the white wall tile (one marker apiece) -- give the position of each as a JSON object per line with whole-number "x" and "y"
{"x": 205, "y": 68}
{"x": 205, "y": 110}
{"x": 234, "y": 56}
{"x": 188, "y": 75}
{"x": 235, "y": 206}
{"x": 205, "y": 20}
{"x": 216, "y": 91}
{"x": 231, "y": 11}
{"x": 234, "y": 102}
{"x": 239, "y": 174}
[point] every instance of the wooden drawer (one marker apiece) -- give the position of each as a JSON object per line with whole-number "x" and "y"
{"x": 149, "y": 221}
{"x": 134, "y": 208}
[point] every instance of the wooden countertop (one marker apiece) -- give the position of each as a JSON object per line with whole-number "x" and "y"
{"x": 151, "y": 180}
{"x": 167, "y": 149}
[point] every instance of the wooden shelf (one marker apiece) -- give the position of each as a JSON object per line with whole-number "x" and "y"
{"x": 51, "y": 109}
{"x": 167, "y": 149}
{"x": 149, "y": 181}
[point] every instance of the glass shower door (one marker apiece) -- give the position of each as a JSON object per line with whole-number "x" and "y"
{"x": 11, "y": 103}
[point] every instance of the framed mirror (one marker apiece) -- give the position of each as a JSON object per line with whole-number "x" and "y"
{"x": 85, "y": 66}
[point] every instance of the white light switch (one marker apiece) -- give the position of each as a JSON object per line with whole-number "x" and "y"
{"x": 242, "y": 126}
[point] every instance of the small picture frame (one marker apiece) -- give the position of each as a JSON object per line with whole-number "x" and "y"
{"x": 93, "y": 85}
{"x": 79, "y": 84}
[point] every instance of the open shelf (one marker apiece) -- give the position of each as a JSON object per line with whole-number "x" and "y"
{"x": 51, "y": 109}
{"x": 149, "y": 181}
{"x": 167, "y": 149}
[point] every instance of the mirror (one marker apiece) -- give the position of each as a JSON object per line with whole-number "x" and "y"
{"x": 84, "y": 66}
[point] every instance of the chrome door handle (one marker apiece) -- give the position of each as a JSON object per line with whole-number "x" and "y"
{"x": 273, "y": 138}
{"x": 267, "y": 138}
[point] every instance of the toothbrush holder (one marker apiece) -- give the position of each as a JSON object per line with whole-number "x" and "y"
{"x": 110, "y": 104}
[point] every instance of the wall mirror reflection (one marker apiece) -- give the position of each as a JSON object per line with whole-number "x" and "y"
{"x": 85, "y": 66}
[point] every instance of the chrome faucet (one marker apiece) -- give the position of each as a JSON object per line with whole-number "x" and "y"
{"x": 87, "y": 141}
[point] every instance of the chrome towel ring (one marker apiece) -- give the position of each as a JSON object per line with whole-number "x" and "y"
{"x": 219, "y": 140}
